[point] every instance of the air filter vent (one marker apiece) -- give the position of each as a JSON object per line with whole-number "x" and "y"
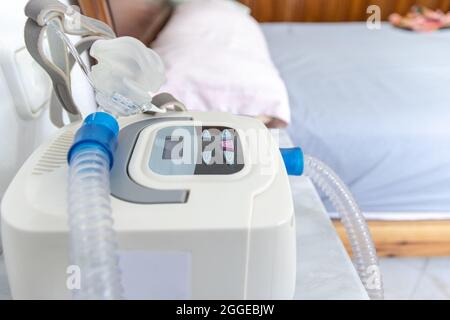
{"x": 56, "y": 154}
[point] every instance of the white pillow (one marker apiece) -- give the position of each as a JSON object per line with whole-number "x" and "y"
{"x": 234, "y": 3}
{"x": 216, "y": 58}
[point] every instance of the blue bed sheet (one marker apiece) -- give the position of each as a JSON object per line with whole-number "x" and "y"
{"x": 375, "y": 105}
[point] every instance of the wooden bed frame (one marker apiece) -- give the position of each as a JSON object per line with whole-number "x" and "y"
{"x": 407, "y": 238}
{"x": 331, "y": 10}
{"x": 143, "y": 19}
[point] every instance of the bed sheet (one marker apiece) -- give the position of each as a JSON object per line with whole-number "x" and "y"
{"x": 375, "y": 106}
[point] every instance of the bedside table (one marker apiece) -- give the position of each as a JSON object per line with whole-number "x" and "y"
{"x": 324, "y": 269}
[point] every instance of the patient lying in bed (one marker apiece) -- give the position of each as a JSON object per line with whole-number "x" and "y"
{"x": 421, "y": 19}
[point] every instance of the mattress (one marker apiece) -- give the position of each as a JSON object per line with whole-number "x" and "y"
{"x": 375, "y": 106}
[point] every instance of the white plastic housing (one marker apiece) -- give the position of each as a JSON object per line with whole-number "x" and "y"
{"x": 233, "y": 239}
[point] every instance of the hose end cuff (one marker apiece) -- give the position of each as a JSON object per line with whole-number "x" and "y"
{"x": 293, "y": 160}
{"x": 99, "y": 130}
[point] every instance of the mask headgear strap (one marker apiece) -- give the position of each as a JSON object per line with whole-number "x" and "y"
{"x": 40, "y": 13}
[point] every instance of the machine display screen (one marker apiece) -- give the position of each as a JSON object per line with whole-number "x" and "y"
{"x": 197, "y": 151}
{"x": 173, "y": 148}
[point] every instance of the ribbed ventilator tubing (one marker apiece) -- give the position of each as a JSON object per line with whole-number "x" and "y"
{"x": 364, "y": 253}
{"x": 92, "y": 238}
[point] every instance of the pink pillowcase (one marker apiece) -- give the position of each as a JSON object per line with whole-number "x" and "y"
{"x": 217, "y": 59}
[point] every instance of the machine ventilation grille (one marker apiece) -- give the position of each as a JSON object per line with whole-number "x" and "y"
{"x": 56, "y": 154}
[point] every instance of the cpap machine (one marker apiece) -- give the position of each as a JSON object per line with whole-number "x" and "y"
{"x": 146, "y": 200}
{"x": 184, "y": 228}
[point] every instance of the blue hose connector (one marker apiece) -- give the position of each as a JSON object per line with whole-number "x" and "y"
{"x": 293, "y": 160}
{"x": 99, "y": 130}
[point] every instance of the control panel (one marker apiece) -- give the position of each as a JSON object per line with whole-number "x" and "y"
{"x": 196, "y": 150}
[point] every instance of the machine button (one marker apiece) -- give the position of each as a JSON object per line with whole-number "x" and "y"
{"x": 228, "y": 146}
{"x": 207, "y": 156}
{"x": 226, "y": 135}
{"x": 206, "y": 135}
{"x": 229, "y": 157}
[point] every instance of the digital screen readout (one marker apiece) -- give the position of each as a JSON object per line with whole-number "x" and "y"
{"x": 204, "y": 150}
{"x": 173, "y": 148}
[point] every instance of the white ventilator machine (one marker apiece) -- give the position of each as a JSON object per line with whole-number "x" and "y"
{"x": 162, "y": 203}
